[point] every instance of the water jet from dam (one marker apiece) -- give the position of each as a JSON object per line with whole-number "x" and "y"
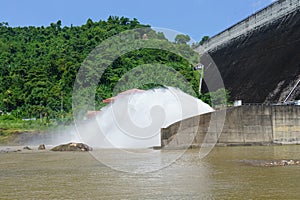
{"x": 134, "y": 120}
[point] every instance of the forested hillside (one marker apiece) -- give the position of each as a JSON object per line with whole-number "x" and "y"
{"x": 38, "y": 65}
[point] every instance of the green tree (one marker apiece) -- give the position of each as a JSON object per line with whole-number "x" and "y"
{"x": 204, "y": 39}
{"x": 218, "y": 98}
{"x": 182, "y": 39}
{"x": 38, "y": 65}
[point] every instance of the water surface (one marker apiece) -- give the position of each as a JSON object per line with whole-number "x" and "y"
{"x": 221, "y": 175}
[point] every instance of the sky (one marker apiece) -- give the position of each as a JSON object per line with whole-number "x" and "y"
{"x": 195, "y": 18}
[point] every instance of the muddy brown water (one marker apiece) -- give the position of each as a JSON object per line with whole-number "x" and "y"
{"x": 221, "y": 175}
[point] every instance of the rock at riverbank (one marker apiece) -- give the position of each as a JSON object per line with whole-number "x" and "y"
{"x": 27, "y": 148}
{"x": 41, "y": 147}
{"x": 72, "y": 147}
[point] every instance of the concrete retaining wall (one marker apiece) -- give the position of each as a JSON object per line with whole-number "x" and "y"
{"x": 244, "y": 125}
{"x": 261, "y": 18}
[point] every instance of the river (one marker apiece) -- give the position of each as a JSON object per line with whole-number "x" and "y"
{"x": 220, "y": 175}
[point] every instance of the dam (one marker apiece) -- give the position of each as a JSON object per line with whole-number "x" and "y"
{"x": 258, "y": 58}
{"x": 243, "y": 125}
{"x": 259, "y": 61}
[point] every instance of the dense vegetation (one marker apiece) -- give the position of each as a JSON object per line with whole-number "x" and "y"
{"x": 38, "y": 65}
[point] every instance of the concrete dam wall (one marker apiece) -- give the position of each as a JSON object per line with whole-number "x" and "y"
{"x": 244, "y": 125}
{"x": 263, "y": 17}
{"x": 259, "y": 57}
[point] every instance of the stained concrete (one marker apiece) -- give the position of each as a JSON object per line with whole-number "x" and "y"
{"x": 260, "y": 64}
{"x": 244, "y": 125}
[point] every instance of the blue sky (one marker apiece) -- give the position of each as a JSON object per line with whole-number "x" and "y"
{"x": 193, "y": 17}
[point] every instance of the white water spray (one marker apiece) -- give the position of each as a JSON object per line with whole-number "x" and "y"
{"x": 134, "y": 120}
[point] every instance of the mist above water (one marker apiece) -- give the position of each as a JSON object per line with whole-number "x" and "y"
{"x": 134, "y": 120}
{"x": 53, "y": 137}
{"x": 131, "y": 121}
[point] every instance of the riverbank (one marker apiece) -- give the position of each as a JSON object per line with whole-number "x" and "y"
{"x": 9, "y": 135}
{"x": 14, "y": 132}
{"x": 11, "y": 126}
{"x": 10, "y": 130}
